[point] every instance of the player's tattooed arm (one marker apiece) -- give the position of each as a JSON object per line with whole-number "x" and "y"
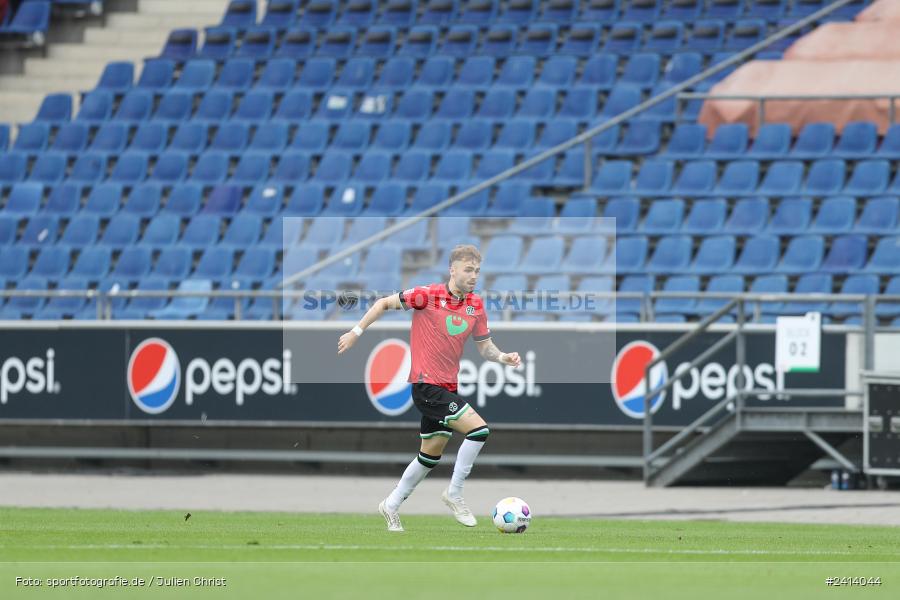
{"x": 489, "y": 351}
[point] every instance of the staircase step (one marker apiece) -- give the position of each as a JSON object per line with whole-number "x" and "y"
{"x": 100, "y": 55}
{"x": 108, "y": 37}
{"x": 174, "y": 7}
{"x": 47, "y": 85}
{"x": 142, "y": 22}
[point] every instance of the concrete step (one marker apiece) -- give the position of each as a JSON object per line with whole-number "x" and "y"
{"x": 62, "y": 68}
{"x": 173, "y": 7}
{"x": 46, "y": 85}
{"x": 108, "y": 37}
{"x": 101, "y": 55}
{"x": 142, "y": 22}
{"x": 19, "y": 107}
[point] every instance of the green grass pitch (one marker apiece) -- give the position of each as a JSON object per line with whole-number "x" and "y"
{"x": 284, "y": 555}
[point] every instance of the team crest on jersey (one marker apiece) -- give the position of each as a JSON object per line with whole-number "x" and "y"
{"x": 453, "y": 406}
{"x": 443, "y": 303}
{"x": 470, "y": 310}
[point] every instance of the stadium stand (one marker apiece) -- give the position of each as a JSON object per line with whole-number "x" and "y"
{"x": 179, "y": 173}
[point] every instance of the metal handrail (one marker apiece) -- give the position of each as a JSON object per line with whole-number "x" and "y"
{"x": 761, "y": 100}
{"x": 583, "y": 138}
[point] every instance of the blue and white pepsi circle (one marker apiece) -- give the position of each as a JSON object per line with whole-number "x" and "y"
{"x": 627, "y": 378}
{"x": 153, "y": 375}
{"x": 386, "y": 374}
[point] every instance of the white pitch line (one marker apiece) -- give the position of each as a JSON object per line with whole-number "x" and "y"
{"x": 686, "y": 551}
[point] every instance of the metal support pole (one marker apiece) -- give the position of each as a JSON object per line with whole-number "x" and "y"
{"x": 588, "y": 165}
{"x": 869, "y": 333}
{"x": 740, "y": 355}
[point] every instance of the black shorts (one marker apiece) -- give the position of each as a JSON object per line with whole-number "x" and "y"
{"x": 439, "y": 407}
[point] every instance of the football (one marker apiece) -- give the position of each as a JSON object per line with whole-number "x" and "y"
{"x": 512, "y": 515}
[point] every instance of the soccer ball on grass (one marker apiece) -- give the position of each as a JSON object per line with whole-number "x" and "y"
{"x": 512, "y": 515}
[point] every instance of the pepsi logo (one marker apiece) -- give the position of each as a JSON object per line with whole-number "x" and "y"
{"x": 387, "y": 370}
{"x": 627, "y": 378}
{"x": 154, "y": 376}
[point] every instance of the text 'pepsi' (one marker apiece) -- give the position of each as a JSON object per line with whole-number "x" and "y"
{"x": 34, "y": 375}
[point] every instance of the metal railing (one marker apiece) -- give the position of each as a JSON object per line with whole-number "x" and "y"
{"x": 736, "y": 402}
{"x": 581, "y": 139}
{"x": 762, "y": 100}
{"x": 753, "y": 302}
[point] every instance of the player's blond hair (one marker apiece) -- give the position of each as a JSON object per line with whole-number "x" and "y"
{"x": 465, "y": 252}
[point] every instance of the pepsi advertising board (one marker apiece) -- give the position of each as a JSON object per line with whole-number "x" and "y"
{"x": 208, "y": 374}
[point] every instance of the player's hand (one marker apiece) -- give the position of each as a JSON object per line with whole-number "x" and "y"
{"x": 346, "y": 342}
{"x": 511, "y": 358}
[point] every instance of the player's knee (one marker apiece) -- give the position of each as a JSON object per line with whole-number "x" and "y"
{"x": 429, "y": 461}
{"x": 479, "y": 434}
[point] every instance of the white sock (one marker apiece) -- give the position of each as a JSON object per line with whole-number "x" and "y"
{"x": 412, "y": 476}
{"x": 465, "y": 459}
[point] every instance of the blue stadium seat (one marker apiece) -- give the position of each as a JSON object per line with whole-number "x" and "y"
{"x": 792, "y": 217}
{"x": 859, "y": 140}
{"x": 4, "y": 137}
{"x": 457, "y": 105}
{"x": 784, "y": 178}
{"x": 654, "y": 178}
{"x": 184, "y": 307}
{"x": 640, "y": 139}
{"x": 252, "y": 169}
{"x": 231, "y": 138}
{"x": 620, "y": 99}
{"x": 682, "y": 66}
{"x": 256, "y": 264}
{"x": 156, "y": 75}
{"x": 890, "y": 309}
{"x": 95, "y": 107}
{"x": 172, "y": 264}
{"x": 666, "y": 37}
{"x": 886, "y": 257}
{"x": 55, "y": 109}
{"x": 269, "y": 137}
{"x": 13, "y": 262}
{"x": 719, "y": 284}
{"x": 803, "y": 255}
{"x": 516, "y": 135}
{"x": 223, "y": 200}
{"x": 502, "y": 254}
{"x": 847, "y": 254}
{"x": 171, "y": 167}
{"x": 460, "y": 41}
{"x": 346, "y": 200}
{"x": 585, "y": 256}
{"x": 89, "y": 168}
{"x": 729, "y": 142}
{"x": 614, "y": 177}
{"x": 133, "y": 263}
{"x": 556, "y": 132}
{"x": 257, "y": 44}
{"x": 813, "y": 283}
{"x": 240, "y": 14}
{"x": 278, "y": 75}
{"x": 628, "y": 309}
{"x": 545, "y": 255}
{"x": 707, "y": 217}
{"x": 759, "y": 255}
{"x": 625, "y": 211}
{"x": 869, "y": 178}
{"x": 890, "y": 144}
{"x": 236, "y": 75}
{"x": 201, "y": 231}
{"x": 401, "y": 13}
{"x": 135, "y": 107}
{"x": 879, "y": 216}
{"x": 749, "y": 216}
{"x": 420, "y": 42}
{"x": 299, "y": 43}
{"x": 215, "y": 263}
{"x": 121, "y": 231}
{"x": 104, "y": 200}
{"x": 583, "y": 39}
{"x": 678, "y": 306}
{"x": 815, "y": 141}
{"x": 499, "y": 40}
{"x": 174, "y": 107}
{"x": 697, "y": 178}
{"x": 81, "y": 232}
{"x": 64, "y": 200}
{"x": 836, "y": 215}
{"x": 24, "y": 199}
{"x": 745, "y": 33}
{"x": 184, "y": 200}
{"x": 325, "y": 233}
{"x": 71, "y": 138}
{"x": 218, "y": 43}
{"x": 715, "y": 255}
{"x": 642, "y": 70}
{"x": 280, "y": 14}
{"x": 51, "y": 263}
{"x": 397, "y": 73}
{"x": 707, "y": 36}
{"x": 672, "y": 255}
{"x": 825, "y": 177}
{"x": 454, "y": 166}
{"x": 49, "y": 168}
{"x": 664, "y": 217}
{"x": 624, "y": 38}
{"x": 32, "y": 138}
{"x": 629, "y": 256}
{"x": 306, "y": 200}
{"x": 144, "y": 200}
{"x": 854, "y": 284}
{"x": 687, "y": 141}
{"x": 112, "y": 137}
{"x": 66, "y": 306}
{"x": 27, "y": 305}
{"x": 320, "y": 14}
{"x": 162, "y": 231}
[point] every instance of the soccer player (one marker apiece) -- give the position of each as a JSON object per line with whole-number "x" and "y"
{"x": 446, "y": 315}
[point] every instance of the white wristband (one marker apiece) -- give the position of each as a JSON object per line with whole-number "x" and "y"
{"x": 357, "y": 330}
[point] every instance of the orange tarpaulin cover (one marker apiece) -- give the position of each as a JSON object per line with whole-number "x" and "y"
{"x": 874, "y": 40}
{"x": 805, "y": 78}
{"x": 881, "y": 10}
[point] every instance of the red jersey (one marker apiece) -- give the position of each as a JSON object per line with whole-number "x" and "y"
{"x": 440, "y": 327}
